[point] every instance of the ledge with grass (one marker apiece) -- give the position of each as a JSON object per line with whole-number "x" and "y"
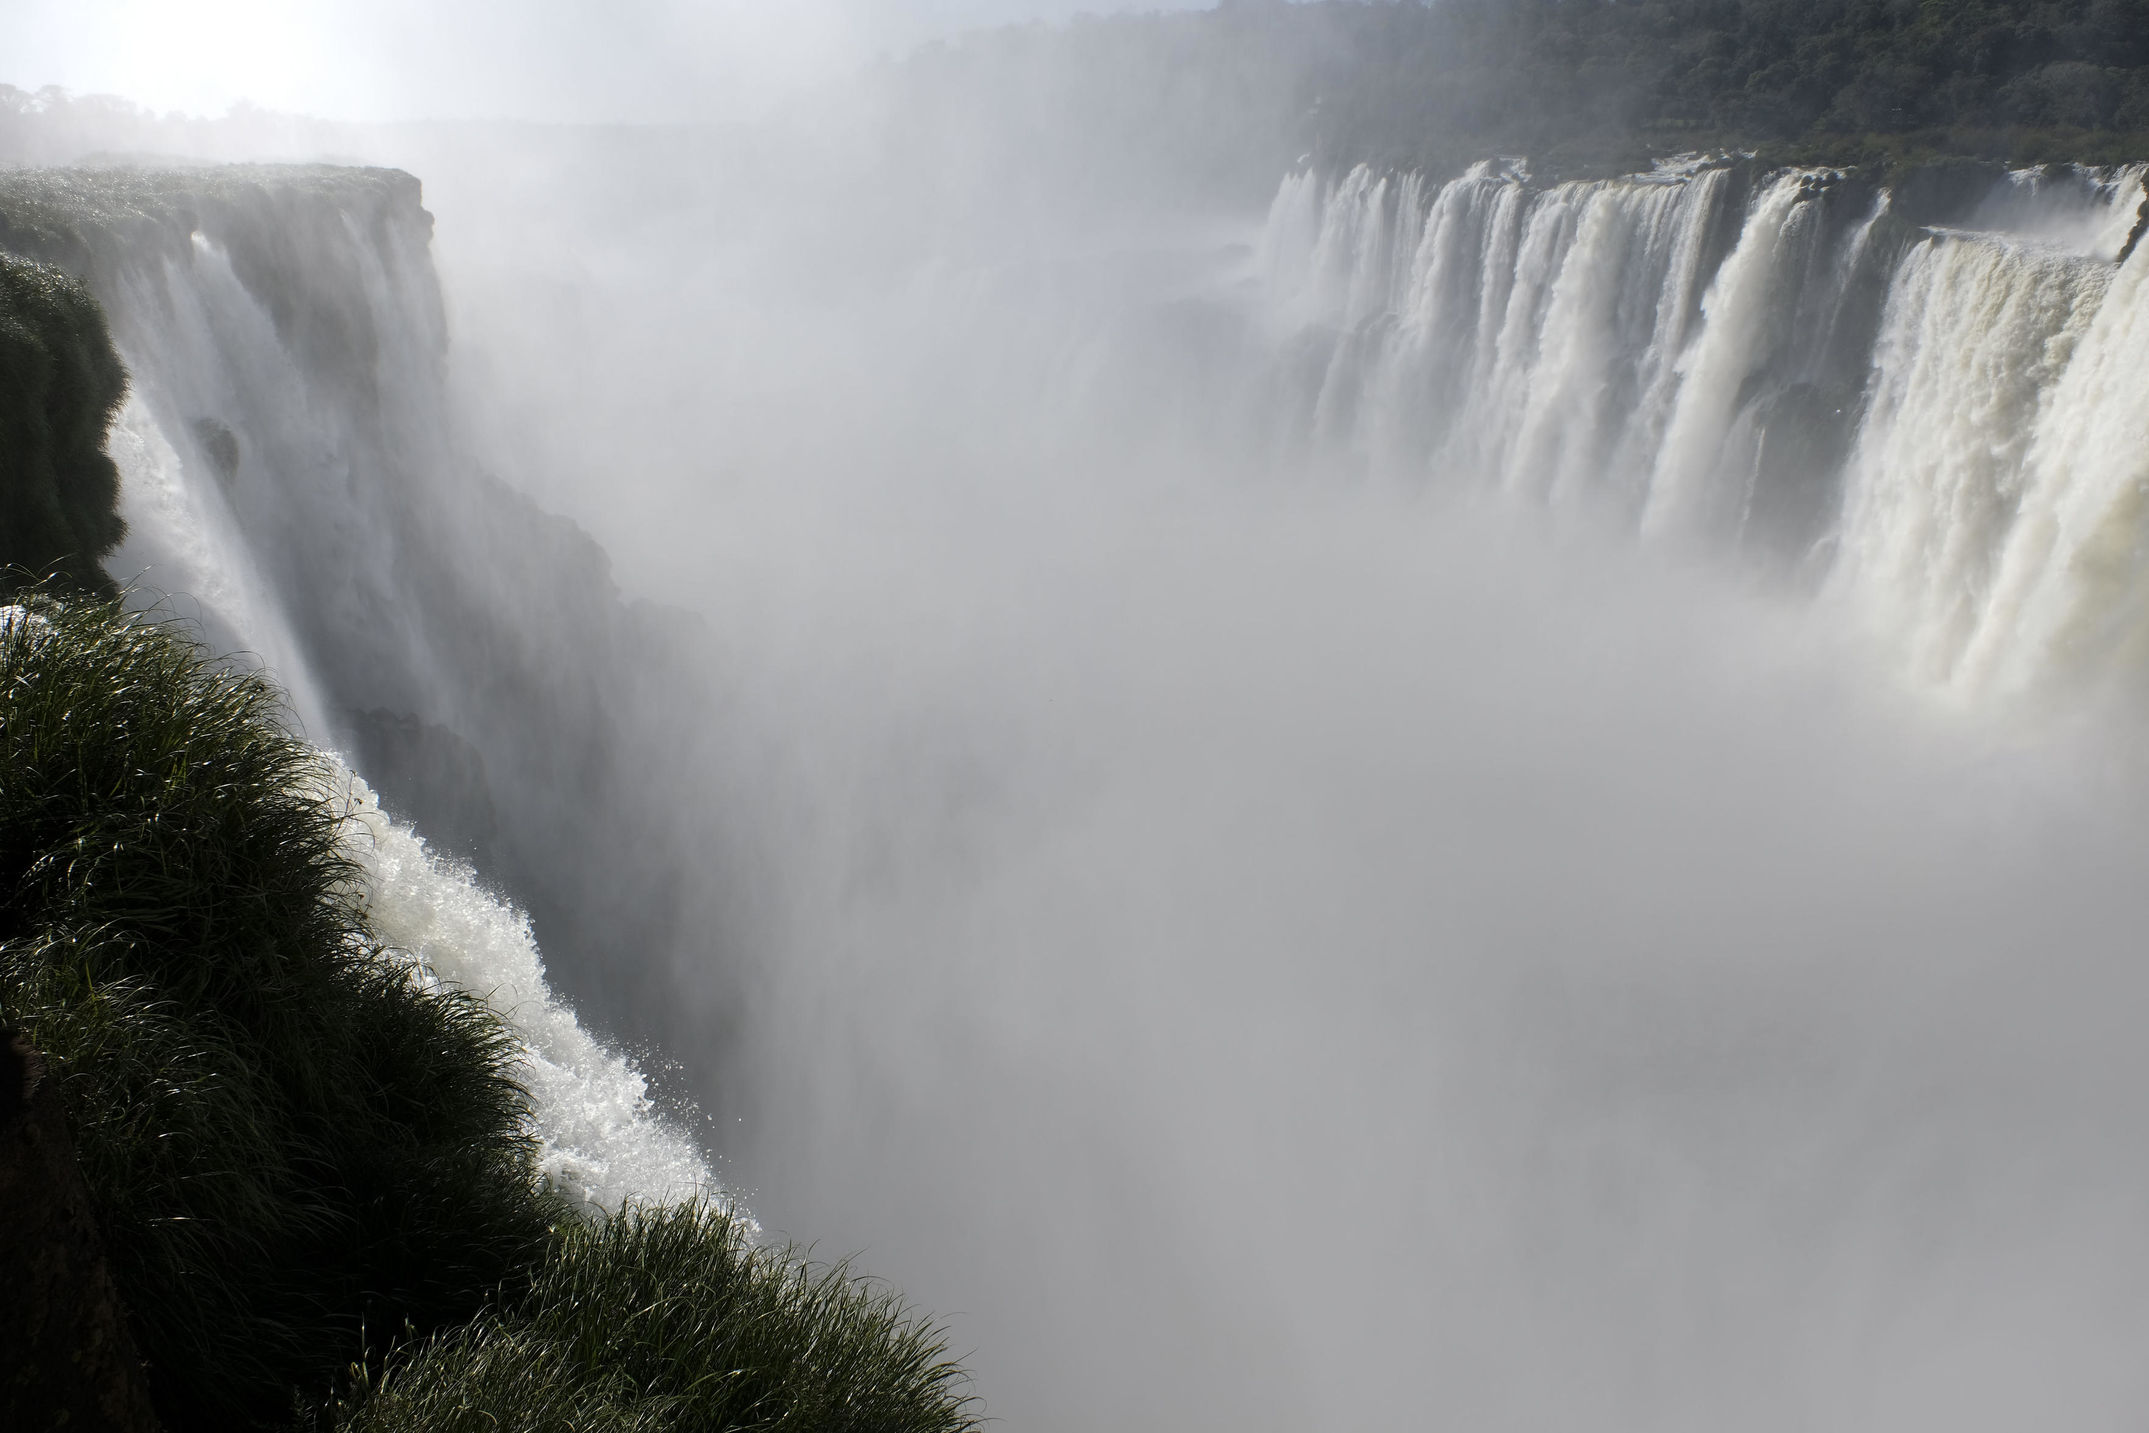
{"x": 314, "y": 1168}
{"x": 307, "y": 1169}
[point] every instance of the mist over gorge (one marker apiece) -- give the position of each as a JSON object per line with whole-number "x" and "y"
{"x": 1311, "y": 789}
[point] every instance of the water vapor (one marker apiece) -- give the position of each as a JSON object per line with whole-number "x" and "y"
{"x": 1316, "y": 961}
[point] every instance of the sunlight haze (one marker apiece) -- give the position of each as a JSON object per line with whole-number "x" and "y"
{"x": 648, "y": 61}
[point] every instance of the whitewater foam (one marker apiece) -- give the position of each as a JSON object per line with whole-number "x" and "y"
{"x": 603, "y": 1141}
{"x": 1973, "y": 345}
{"x": 1943, "y": 425}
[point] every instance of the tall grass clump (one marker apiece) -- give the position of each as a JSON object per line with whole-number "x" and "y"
{"x": 60, "y": 384}
{"x": 292, "y": 1136}
{"x": 676, "y": 1319}
{"x": 313, "y": 1164}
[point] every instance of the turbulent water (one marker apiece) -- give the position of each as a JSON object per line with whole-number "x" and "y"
{"x": 601, "y": 1137}
{"x": 1943, "y": 424}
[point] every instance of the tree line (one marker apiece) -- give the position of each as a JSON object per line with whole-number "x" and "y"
{"x": 1225, "y": 97}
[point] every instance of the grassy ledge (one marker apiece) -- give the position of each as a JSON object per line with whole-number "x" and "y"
{"x": 313, "y": 1162}
{"x": 676, "y": 1319}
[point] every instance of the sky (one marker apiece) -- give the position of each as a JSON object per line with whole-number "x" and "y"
{"x": 567, "y": 60}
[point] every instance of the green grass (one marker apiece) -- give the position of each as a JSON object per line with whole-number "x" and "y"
{"x": 291, "y": 1137}
{"x": 676, "y": 1319}
{"x": 313, "y": 1167}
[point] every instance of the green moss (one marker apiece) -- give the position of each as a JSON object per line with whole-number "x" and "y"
{"x": 60, "y": 384}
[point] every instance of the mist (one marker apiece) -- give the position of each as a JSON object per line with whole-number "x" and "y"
{"x": 1300, "y": 959}
{"x": 1254, "y": 931}
{"x": 1264, "y": 944}
{"x": 642, "y": 62}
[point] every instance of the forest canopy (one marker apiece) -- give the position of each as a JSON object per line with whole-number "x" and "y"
{"x": 1226, "y": 97}
{"x": 1986, "y": 76}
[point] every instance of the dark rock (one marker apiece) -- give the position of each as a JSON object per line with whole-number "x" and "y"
{"x": 2134, "y": 236}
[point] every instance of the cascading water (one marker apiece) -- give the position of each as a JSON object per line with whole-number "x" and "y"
{"x": 601, "y": 1138}
{"x": 2070, "y": 577}
{"x": 1941, "y": 421}
{"x": 180, "y": 540}
{"x": 291, "y": 476}
{"x": 1978, "y": 336}
{"x": 295, "y": 473}
{"x": 1994, "y": 516}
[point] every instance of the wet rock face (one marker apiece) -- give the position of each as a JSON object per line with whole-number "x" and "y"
{"x": 67, "y": 1359}
{"x": 2134, "y": 236}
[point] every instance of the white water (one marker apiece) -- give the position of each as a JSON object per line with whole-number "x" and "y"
{"x": 2069, "y": 583}
{"x": 180, "y": 541}
{"x": 296, "y": 536}
{"x": 308, "y": 555}
{"x": 602, "y": 1139}
{"x": 1977, "y": 343}
{"x": 1580, "y": 345}
{"x": 1694, "y": 479}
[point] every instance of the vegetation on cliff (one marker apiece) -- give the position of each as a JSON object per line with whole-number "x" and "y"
{"x": 308, "y": 1156}
{"x": 2020, "y": 80}
{"x": 676, "y": 1319}
{"x": 60, "y": 384}
{"x": 292, "y": 1136}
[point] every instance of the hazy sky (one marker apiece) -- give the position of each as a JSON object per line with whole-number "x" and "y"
{"x": 537, "y": 59}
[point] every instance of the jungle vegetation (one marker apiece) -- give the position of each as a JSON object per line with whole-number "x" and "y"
{"x": 1226, "y": 98}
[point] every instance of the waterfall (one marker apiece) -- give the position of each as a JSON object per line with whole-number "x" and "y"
{"x": 601, "y": 1140}
{"x": 2070, "y": 576}
{"x": 181, "y": 539}
{"x": 1940, "y": 425}
{"x": 295, "y": 484}
{"x": 1976, "y": 340}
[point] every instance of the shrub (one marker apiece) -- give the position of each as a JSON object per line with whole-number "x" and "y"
{"x": 60, "y": 384}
